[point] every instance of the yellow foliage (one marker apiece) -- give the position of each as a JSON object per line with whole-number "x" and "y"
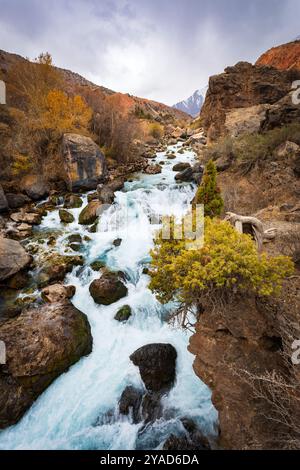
{"x": 227, "y": 263}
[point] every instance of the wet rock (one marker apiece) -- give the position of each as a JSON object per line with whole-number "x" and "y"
{"x": 90, "y": 213}
{"x": 185, "y": 176}
{"x": 72, "y": 201}
{"x": 30, "y": 218}
{"x": 75, "y": 238}
{"x": 171, "y": 157}
{"x": 97, "y": 265}
{"x": 84, "y": 163}
{"x": 123, "y": 314}
{"x": 192, "y": 440}
{"x": 75, "y": 247}
{"x": 93, "y": 197}
{"x": 181, "y": 167}
{"x": 108, "y": 289}
{"x": 130, "y": 403}
{"x": 41, "y": 344}
{"x": 106, "y": 193}
{"x": 15, "y": 201}
{"x": 157, "y": 365}
{"x": 151, "y": 407}
{"x": 117, "y": 242}
{"x": 153, "y": 169}
{"x": 66, "y": 217}
{"x": 55, "y": 267}
{"x": 58, "y": 293}
{"x": 3, "y": 201}
{"x": 13, "y": 258}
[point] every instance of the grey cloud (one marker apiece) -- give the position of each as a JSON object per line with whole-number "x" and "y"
{"x": 160, "y": 49}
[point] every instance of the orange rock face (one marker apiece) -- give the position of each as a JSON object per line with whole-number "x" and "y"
{"x": 284, "y": 57}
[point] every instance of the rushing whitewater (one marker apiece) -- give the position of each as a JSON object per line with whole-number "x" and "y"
{"x": 80, "y": 409}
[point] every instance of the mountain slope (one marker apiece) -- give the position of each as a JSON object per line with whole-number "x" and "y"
{"x": 283, "y": 57}
{"x": 193, "y": 104}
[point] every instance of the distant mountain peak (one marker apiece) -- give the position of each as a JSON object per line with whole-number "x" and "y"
{"x": 193, "y": 104}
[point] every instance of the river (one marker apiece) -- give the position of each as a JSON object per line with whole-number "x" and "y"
{"x": 80, "y": 409}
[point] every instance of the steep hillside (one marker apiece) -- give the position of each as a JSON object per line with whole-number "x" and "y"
{"x": 73, "y": 82}
{"x": 283, "y": 57}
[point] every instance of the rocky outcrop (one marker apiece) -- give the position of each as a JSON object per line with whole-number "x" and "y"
{"x": 243, "y": 86}
{"x": 108, "y": 289}
{"x": 283, "y": 57}
{"x": 157, "y": 365}
{"x": 85, "y": 165}
{"x": 235, "y": 348}
{"x": 41, "y": 344}
{"x": 13, "y": 258}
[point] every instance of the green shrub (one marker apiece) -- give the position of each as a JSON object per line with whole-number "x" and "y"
{"x": 208, "y": 192}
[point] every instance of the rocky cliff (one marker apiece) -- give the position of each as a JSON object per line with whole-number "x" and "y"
{"x": 283, "y": 57}
{"x": 243, "y": 87}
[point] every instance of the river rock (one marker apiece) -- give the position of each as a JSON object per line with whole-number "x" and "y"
{"x": 90, "y": 213}
{"x": 41, "y": 344}
{"x": 130, "y": 402}
{"x": 66, "y": 217}
{"x": 55, "y": 267}
{"x": 72, "y": 201}
{"x": 108, "y": 289}
{"x": 84, "y": 163}
{"x": 57, "y": 293}
{"x": 15, "y": 201}
{"x": 157, "y": 365}
{"x": 185, "y": 175}
{"x": 30, "y": 218}
{"x": 153, "y": 169}
{"x": 13, "y": 258}
{"x": 3, "y": 201}
{"x": 123, "y": 314}
{"x": 181, "y": 166}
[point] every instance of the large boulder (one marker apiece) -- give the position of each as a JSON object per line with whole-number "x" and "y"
{"x": 108, "y": 289}
{"x": 157, "y": 365}
{"x": 66, "y": 217}
{"x": 13, "y": 258}
{"x": 84, "y": 163}
{"x": 152, "y": 169}
{"x": 55, "y": 267}
{"x": 3, "y": 201}
{"x": 30, "y": 218}
{"x": 181, "y": 166}
{"x": 15, "y": 201}
{"x": 41, "y": 344}
{"x": 90, "y": 213}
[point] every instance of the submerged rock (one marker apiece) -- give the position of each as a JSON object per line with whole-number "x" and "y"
{"x": 13, "y": 258}
{"x": 41, "y": 344}
{"x": 108, "y": 289}
{"x": 66, "y": 217}
{"x": 97, "y": 265}
{"x": 130, "y": 402}
{"x": 123, "y": 314}
{"x": 157, "y": 365}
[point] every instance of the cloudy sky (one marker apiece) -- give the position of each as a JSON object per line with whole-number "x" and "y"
{"x": 158, "y": 49}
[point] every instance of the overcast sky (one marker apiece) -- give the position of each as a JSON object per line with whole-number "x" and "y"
{"x": 158, "y": 49}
